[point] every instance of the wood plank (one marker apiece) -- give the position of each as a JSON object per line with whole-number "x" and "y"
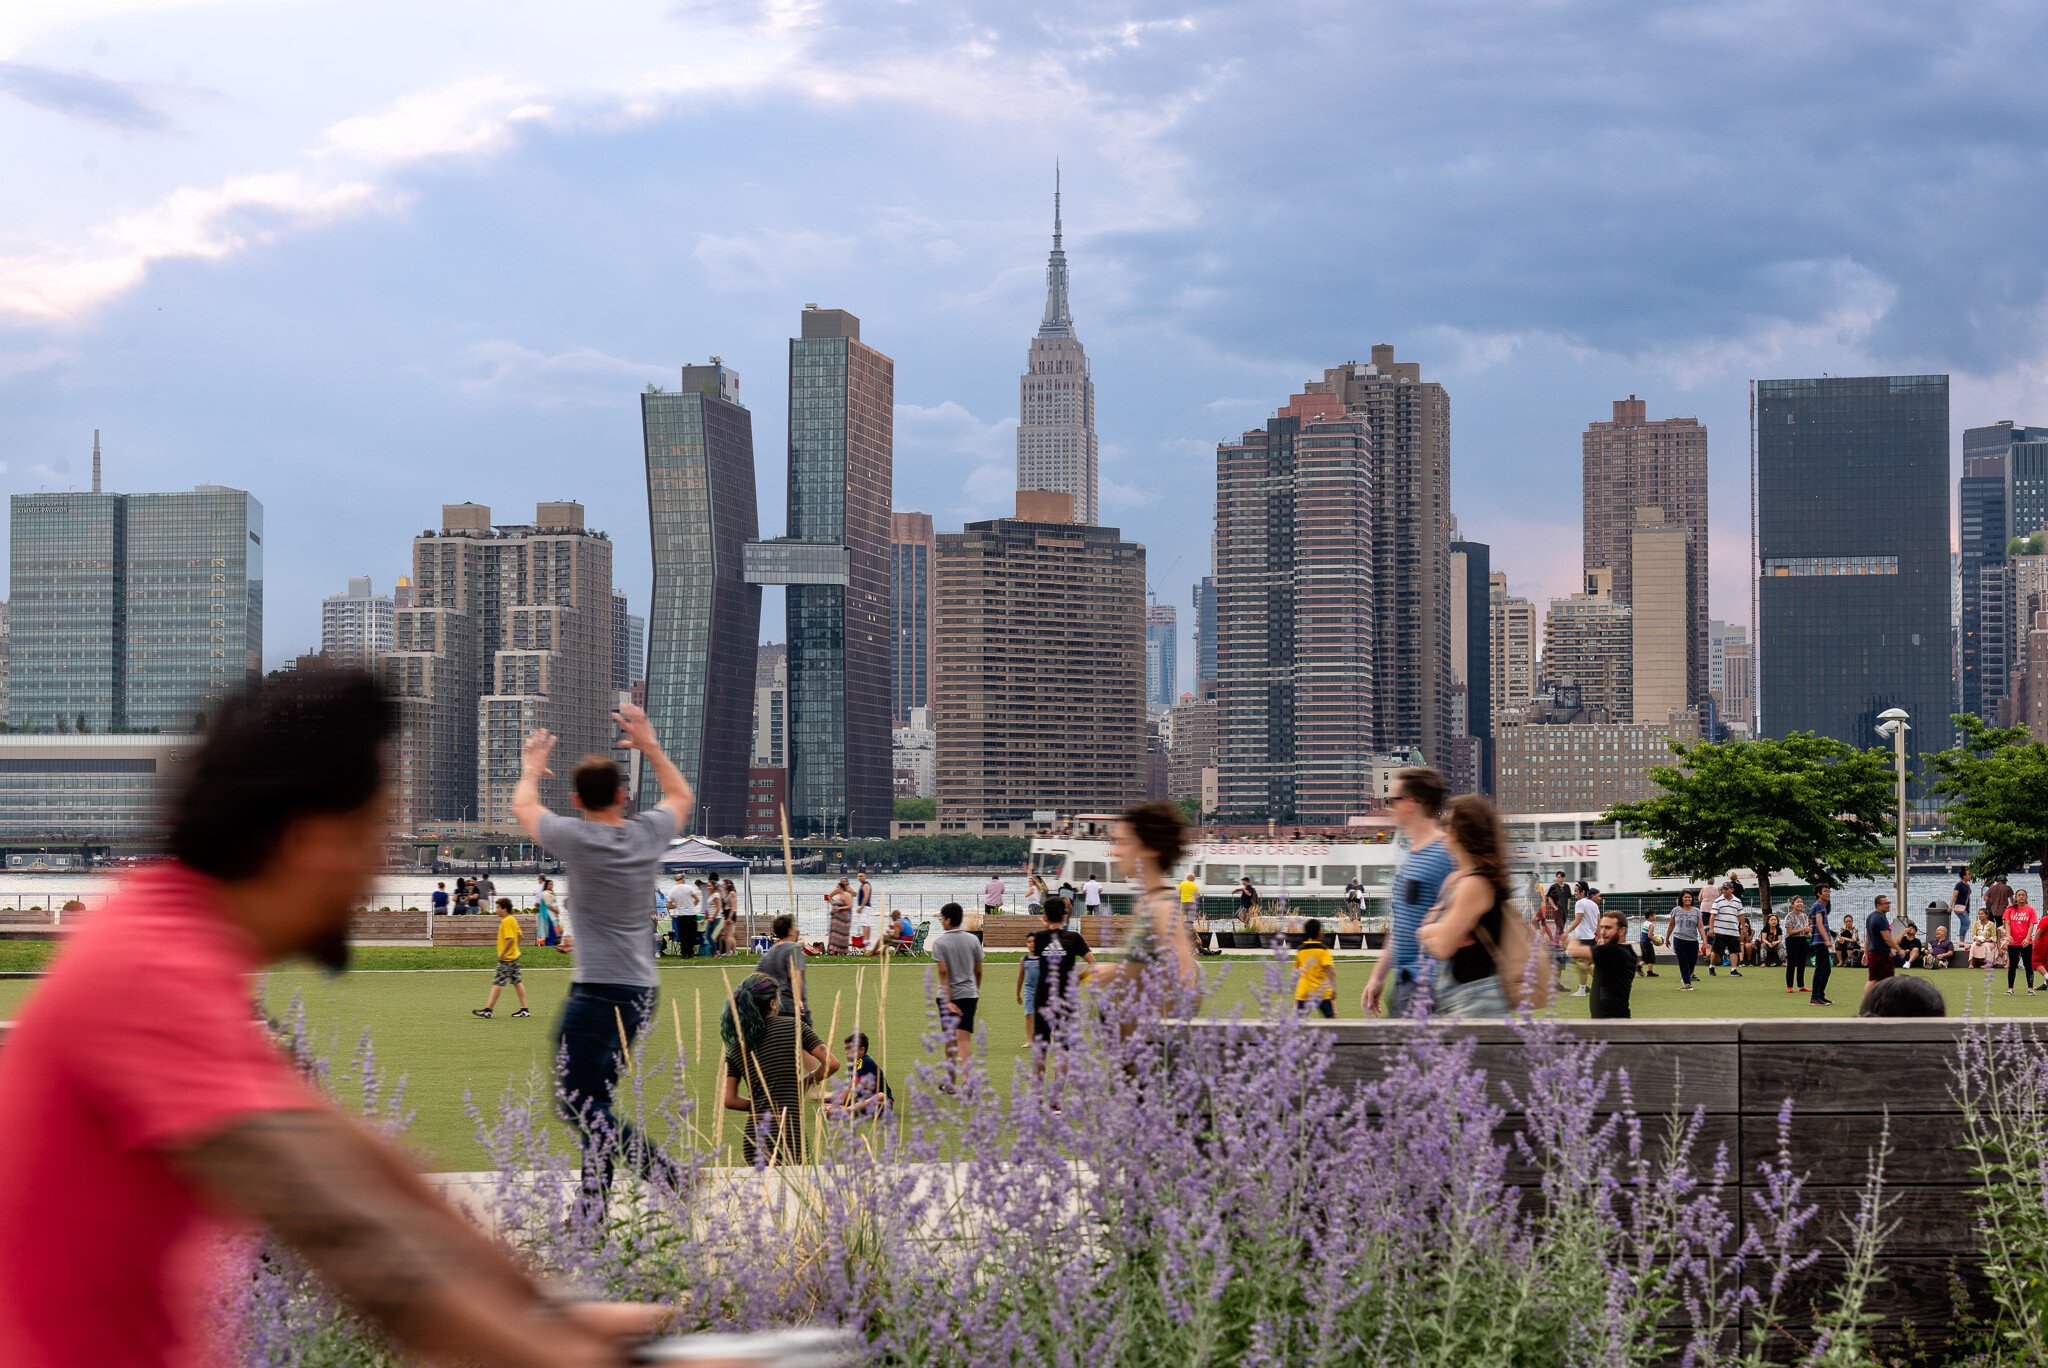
{"x": 1919, "y": 1289}
{"x": 1859, "y": 1030}
{"x": 1661, "y": 1078}
{"x": 1936, "y": 1221}
{"x": 1831, "y": 1147}
{"x": 1715, "y": 1131}
{"x": 1848, "y": 1076}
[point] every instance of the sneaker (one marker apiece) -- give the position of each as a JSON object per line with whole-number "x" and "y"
{"x": 1578, "y": 992}
{"x": 1823, "y": 1002}
{"x": 1685, "y": 987}
{"x": 1734, "y": 973}
{"x": 1791, "y": 990}
{"x": 2008, "y": 992}
{"x": 522, "y": 1012}
{"x": 480, "y": 1011}
{"x": 1713, "y": 972}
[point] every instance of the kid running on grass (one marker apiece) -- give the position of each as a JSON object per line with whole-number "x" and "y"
{"x": 1315, "y": 968}
{"x": 508, "y": 963}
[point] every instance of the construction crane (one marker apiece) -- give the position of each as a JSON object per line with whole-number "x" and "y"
{"x": 1152, "y": 586}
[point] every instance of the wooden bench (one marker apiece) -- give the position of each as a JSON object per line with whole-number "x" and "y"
{"x": 1848, "y": 1080}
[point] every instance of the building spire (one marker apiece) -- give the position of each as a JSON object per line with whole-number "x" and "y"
{"x": 95, "y": 460}
{"x": 1058, "y": 322}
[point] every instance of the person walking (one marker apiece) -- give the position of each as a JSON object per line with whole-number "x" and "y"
{"x": 2022, "y": 933}
{"x": 1157, "y": 972}
{"x": 1315, "y": 973}
{"x": 1055, "y": 950}
{"x": 1465, "y": 936}
{"x": 1417, "y": 804}
{"x": 1726, "y": 917}
{"x": 508, "y": 964}
{"x": 1798, "y": 940}
{"x": 1879, "y": 943}
{"x": 1997, "y": 896}
{"x": 152, "y": 1121}
{"x": 612, "y": 860}
{"x": 1648, "y": 943}
{"x": 1959, "y": 899}
{"x": 1585, "y": 930}
{"x": 1557, "y": 905}
{"x": 784, "y": 962}
{"x": 1613, "y": 966}
{"x": 958, "y": 955}
{"x": 1682, "y": 929}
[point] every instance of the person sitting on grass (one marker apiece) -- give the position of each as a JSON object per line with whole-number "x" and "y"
{"x": 1912, "y": 952}
{"x": 508, "y": 963}
{"x": 1315, "y": 971}
{"x": 1940, "y": 949}
{"x": 1848, "y": 949}
{"x": 865, "y": 1092}
{"x": 1751, "y": 950}
{"x": 1773, "y": 941}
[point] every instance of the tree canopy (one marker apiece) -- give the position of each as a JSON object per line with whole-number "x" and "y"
{"x": 1816, "y": 806}
{"x": 916, "y": 809}
{"x": 1996, "y": 784}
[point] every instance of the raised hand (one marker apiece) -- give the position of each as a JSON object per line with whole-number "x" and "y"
{"x": 534, "y": 753}
{"x": 638, "y": 732}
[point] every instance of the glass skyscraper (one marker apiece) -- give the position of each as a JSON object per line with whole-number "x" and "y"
{"x": 835, "y": 564}
{"x": 133, "y": 612}
{"x": 1852, "y": 495}
{"x": 1162, "y": 656}
{"x": 911, "y": 541}
{"x": 706, "y": 620}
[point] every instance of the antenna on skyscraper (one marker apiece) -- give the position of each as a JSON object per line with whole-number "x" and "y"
{"x": 95, "y": 460}
{"x": 1055, "y": 203}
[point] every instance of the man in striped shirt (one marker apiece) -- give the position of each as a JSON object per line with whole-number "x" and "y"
{"x": 1726, "y": 911}
{"x": 1417, "y": 803}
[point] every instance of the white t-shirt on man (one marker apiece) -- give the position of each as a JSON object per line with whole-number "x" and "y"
{"x": 1091, "y": 893}
{"x": 1586, "y": 919}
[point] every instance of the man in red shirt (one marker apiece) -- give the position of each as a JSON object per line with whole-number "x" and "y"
{"x": 149, "y": 1119}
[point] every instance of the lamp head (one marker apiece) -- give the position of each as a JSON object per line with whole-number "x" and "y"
{"x": 1893, "y": 715}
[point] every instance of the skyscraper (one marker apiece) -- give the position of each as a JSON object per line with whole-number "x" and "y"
{"x": 1056, "y": 415}
{"x": 355, "y": 627}
{"x": 910, "y": 614}
{"x": 629, "y": 644}
{"x": 1038, "y": 710}
{"x": 1853, "y": 556}
{"x": 1162, "y": 656}
{"x": 771, "y": 707}
{"x": 1632, "y": 462}
{"x": 2025, "y": 450}
{"x": 1205, "y": 631}
{"x": 1587, "y": 640}
{"x": 1295, "y": 655}
{"x": 1661, "y": 639}
{"x": 835, "y": 562}
{"x": 1513, "y": 625}
{"x": 705, "y": 621}
{"x": 509, "y": 630}
{"x": 132, "y": 612}
{"x": 1408, "y": 431}
{"x": 1472, "y": 653}
{"x": 2000, "y": 461}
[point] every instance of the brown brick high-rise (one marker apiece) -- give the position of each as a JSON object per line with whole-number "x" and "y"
{"x": 1039, "y": 694}
{"x": 1631, "y": 463}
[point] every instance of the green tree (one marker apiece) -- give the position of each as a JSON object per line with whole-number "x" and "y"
{"x": 81, "y": 726}
{"x": 1818, "y": 807}
{"x": 1190, "y": 809}
{"x": 1996, "y": 784}
{"x": 916, "y": 809}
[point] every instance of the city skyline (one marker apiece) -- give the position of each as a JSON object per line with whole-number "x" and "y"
{"x": 497, "y": 247}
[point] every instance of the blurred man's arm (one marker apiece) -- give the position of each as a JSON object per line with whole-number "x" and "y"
{"x": 527, "y": 809}
{"x": 676, "y": 797}
{"x": 393, "y": 1249}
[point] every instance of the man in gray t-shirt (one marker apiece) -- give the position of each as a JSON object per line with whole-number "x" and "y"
{"x": 784, "y": 963}
{"x": 610, "y": 860}
{"x": 958, "y": 956}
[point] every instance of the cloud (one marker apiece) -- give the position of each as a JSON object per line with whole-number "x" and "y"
{"x": 82, "y": 95}
{"x": 578, "y": 377}
{"x": 1118, "y": 497}
{"x": 58, "y": 283}
{"x": 28, "y": 362}
{"x": 767, "y": 260}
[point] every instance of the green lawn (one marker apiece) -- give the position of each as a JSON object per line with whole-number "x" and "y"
{"x": 416, "y": 1002}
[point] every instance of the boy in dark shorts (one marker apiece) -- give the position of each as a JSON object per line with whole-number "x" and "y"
{"x": 508, "y": 963}
{"x": 958, "y": 956}
{"x": 1614, "y": 965}
{"x": 1056, "y": 949}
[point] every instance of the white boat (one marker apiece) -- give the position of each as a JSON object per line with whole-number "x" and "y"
{"x": 1306, "y": 876}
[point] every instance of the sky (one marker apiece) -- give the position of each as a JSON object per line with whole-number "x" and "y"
{"x": 363, "y": 259}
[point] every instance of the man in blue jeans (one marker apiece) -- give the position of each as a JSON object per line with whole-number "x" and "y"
{"x": 611, "y": 860}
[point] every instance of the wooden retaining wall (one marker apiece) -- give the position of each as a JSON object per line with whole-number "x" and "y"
{"x": 1847, "y": 1079}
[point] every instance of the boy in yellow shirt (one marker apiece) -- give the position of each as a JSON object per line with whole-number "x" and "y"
{"x": 1315, "y": 970}
{"x": 508, "y": 963}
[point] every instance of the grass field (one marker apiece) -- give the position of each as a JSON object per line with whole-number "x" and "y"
{"x": 415, "y": 1004}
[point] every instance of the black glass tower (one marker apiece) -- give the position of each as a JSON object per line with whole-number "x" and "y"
{"x": 705, "y": 624}
{"x": 835, "y": 564}
{"x": 1852, "y": 491}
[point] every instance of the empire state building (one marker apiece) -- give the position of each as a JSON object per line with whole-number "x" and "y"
{"x": 1056, "y": 422}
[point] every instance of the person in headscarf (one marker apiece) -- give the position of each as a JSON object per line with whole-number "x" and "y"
{"x": 776, "y": 1059}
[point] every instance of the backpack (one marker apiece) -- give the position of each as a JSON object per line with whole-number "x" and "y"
{"x": 1528, "y": 979}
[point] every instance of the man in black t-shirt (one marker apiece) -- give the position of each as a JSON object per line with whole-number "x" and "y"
{"x": 1557, "y": 904}
{"x": 1056, "y": 949}
{"x": 1614, "y": 965}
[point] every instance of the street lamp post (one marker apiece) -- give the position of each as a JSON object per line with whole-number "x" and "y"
{"x": 1893, "y": 722}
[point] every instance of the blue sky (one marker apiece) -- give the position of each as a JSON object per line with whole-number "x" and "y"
{"x": 365, "y": 258}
